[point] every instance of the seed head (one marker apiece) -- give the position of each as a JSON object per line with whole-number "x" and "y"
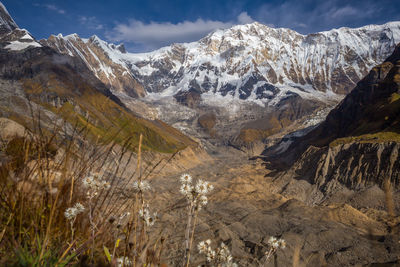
{"x": 79, "y": 207}
{"x": 71, "y": 213}
{"x": 186, "y": 189}
{"x": 203, "y": 200}
{"x": 201, "y": 187}
{"x": 186, "y": 178}
{"x": 202, "y": 246}
{"x": 147, "y": 217}
{"x": 141, "y": 185}
{"x": 282, "y": 243}
{"x": 276, "y": 243}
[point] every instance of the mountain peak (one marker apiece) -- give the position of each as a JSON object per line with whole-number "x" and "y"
{"x": 95, "y": 38}
{"x": 7, "y": 24}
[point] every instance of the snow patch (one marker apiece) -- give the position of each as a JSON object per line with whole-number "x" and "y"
{"x": 17, "y": 45}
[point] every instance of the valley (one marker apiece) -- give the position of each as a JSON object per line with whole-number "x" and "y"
{"x": 286, "y": 135}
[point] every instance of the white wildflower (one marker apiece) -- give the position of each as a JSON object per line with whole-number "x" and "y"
{"x": 203, "y": 200}
{"x": 273, "y": 242}
{"x": 94, "y": 184}
{"x": 224, "y": 255}
{"x": 88, "y": 181}
{"x": 150, "y": 219}
{"x": 144, "y": 211}
{"x": 70, "y": 213}
{"x": 79, "y": 207}
{"x": 282, "y": 243}
{"x": 186, "y": 178}
{"x": 210, "y": 187}
{"x": 202, "y": 246}
{"x": 124, "y": 261}
{"x": 141, "y": 185}
{"x": 147, "y": 217}
{"x": 186, "y": 189}
{"x": 276, "y": 243}
{"x": 201, "y": 187}
{"x": 219, "y": 257}
{"x": 210, "y": 255}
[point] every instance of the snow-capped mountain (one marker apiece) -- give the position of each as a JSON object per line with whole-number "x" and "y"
{"x": 103, "y": 59}
{"x": 251, "y": 61}
{"x": 11, "y": 36}
{"x": 6, "y": 22}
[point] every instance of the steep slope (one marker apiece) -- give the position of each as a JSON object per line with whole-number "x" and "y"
{"x": 373, "y": 107}
{"x": 7, "y": 24}
{"x": 358, "y": 143}
{"x": 63, "y": 87}
{"x": 98, "y": 57}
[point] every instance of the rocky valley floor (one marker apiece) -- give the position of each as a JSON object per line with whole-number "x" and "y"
{"x": 250, "y": 203}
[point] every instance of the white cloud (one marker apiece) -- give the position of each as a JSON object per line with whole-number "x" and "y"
{"x": 156, "y": 34}
{"x": 54, "y": 8}
{"x": 90, "y": 23}
{"x": 300, "y": 25}
{"x": 345, "y": 11}
{"x": 244, "y": 18}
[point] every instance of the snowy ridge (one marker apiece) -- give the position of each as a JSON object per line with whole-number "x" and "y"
{"x": 280, "y": 57}
{"x": 6, "y": 21}
{"x": 18, "y": 39}
{"x": 250, "y": 62}
{"x": 18, "y": 45}
{"x": 103, "y": 59}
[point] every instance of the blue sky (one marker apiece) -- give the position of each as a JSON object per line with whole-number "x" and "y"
{"x": 147, "y": 25}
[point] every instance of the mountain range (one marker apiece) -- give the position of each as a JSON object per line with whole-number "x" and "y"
{"x": 317, "y": 117}
{"x": 264, "y": 79}
{"x": 251, "y": 61}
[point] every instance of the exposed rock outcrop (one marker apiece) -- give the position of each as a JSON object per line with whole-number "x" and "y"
{"x": 355, "y": 165}
{"x": 10, "y": 129}
{"x": 357, "y": 146}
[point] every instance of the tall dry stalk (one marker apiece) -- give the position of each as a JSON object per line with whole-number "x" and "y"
{"x": 196, "y": 198}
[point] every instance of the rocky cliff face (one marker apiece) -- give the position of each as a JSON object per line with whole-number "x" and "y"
{"x": 358, "y": 143}
{"x": 98, "y": 57}
{"x": 355, "y": 165}
{"x": 7, "y": 24}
